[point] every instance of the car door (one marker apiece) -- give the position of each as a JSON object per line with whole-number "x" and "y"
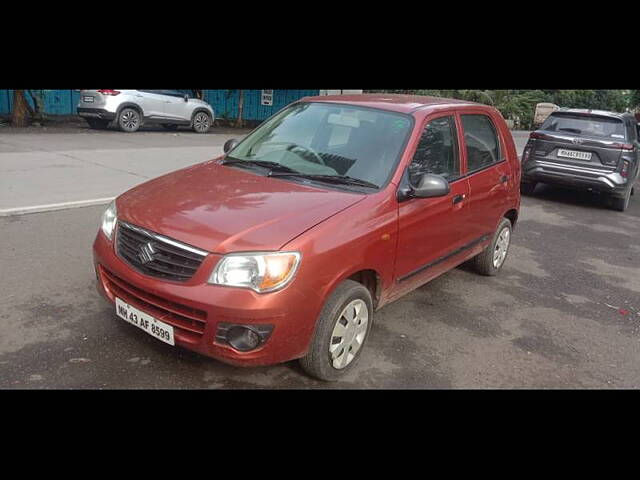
{"x": 432, "y": 231}
{"x": 151, "y": 102}
{"x": 488, "y": 171}
{"x": 175, "y": 106}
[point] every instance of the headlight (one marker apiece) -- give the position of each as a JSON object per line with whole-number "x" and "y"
{"x": 109, "y": 218}
{"x": 262, "y": 272}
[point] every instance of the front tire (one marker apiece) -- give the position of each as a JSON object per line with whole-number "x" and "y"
{"x": 201, "y": 122}
{"x": 129, "y": 120}
{"x": 491, "y": 260}
{"x": 342, "y": 329}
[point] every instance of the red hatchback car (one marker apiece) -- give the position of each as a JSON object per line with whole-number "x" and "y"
{"x": 284, "y": 247}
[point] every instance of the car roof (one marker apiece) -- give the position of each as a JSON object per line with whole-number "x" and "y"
{"x": 585, "y": 111}
{"x": 388, "y": 101}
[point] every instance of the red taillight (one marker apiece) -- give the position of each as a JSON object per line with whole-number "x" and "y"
{"x": 625, "y": 169}
{"x": 539, "y": 136}
{"x": 622, "y": 146}
{"x": 109, "y": 92}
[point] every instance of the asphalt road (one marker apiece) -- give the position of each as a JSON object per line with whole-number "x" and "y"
{"x": 563, "y": 313}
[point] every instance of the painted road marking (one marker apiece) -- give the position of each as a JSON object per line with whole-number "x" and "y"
{"x": 54, "y": 206}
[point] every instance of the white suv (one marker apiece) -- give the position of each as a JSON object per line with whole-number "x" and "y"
{"x": 129, "y": 109}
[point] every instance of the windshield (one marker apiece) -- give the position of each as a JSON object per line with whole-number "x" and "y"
{"x": 583, "y": 125}
{"x": 323, "y": 139}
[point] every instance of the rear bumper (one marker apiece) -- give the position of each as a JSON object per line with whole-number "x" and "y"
{"x": 606, "y": 181}
{"x": 100, "y": 113}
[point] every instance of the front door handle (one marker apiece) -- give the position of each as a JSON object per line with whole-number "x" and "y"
{"x": 504, "y": 179}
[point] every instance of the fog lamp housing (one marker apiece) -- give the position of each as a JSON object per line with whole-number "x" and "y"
{"x": 243, "y": 338}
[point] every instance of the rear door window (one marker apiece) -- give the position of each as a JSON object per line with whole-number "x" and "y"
{"x": 481, "y": 139}
{"x": 592, "y": 126}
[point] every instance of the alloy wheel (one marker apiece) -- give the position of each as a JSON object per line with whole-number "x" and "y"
{"x": 130, "y": 120}
{"x": 201, "y": 122}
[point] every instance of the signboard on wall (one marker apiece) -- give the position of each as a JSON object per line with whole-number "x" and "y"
{"x": 267, "y": 98}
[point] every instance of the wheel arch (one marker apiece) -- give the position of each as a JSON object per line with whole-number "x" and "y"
{"x": 198, "y": 110}
{"x": 129, "y": 105}
{"x": 371, "y": 280}
{"x": 512, "y": 215}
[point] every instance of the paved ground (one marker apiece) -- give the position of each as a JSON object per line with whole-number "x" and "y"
{"x": 76, "y": 164}
{"x": 564, "y": 313}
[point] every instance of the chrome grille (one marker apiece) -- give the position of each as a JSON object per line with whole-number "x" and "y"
{"x": 156, "y": 255}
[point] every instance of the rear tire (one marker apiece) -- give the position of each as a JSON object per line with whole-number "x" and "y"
{"x": 620, "y": 204}
{"x": 335, "y": 349}
{"x": 527, "y": 188}
{"x": 491, "y": 260}
{"x": 129, "y": 120}
{"x": 201, "y": 122}
{"x": 97, "y": 123}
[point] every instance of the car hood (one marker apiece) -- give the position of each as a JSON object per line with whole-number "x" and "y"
{"x": 223, "y": 209}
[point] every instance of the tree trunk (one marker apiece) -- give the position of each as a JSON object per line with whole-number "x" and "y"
{"x": 239, "y": 121}
{"x": 19, "y": 117}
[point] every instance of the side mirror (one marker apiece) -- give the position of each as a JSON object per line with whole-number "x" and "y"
{"x": 230, "y": 145}
{"x": 186, "y": 97}
{"x": 431, "y": 186}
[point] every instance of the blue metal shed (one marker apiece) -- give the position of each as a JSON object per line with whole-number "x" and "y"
{"x": 224, "y": 102}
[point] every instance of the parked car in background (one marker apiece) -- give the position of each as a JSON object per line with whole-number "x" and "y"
{"x": 585, "y": 149}
{"x": 284, "y": 247}
{"x": 542, "y": 112}
{"x": 130, "y": 109}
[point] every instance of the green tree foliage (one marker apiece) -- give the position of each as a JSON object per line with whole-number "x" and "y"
{"x": 634, "y": 99}
{"x": 519, "y": 105}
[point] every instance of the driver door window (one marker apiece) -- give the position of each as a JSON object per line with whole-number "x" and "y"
{"x": 437, "y": 151}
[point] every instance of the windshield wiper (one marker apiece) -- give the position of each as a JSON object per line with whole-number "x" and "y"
{"x": 272, "y": 166}
{"x": 338, "y": 179}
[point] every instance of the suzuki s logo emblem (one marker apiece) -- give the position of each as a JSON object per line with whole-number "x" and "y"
{"x": 146, "y": 253}
{"x": 577, "y": 141}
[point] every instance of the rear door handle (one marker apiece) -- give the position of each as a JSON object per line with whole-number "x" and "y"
{"x": 458, "y": 198}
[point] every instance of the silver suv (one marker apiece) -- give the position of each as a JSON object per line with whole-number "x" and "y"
{"x": 129, "y": 109}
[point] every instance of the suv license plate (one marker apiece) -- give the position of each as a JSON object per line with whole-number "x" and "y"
{"x": 87, "y": 99}
{"x": 574, "y": 154}
{"x": 152, "y": 326}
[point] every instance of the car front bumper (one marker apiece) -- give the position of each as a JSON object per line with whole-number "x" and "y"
{"x": 199, "y": 312}
{"x": 583, "y": 177}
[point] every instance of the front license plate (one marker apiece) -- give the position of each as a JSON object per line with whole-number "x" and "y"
{"x": 574, "y": 154}
{"x": 152, "y": 326}
{"x": 87, "y": 99}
